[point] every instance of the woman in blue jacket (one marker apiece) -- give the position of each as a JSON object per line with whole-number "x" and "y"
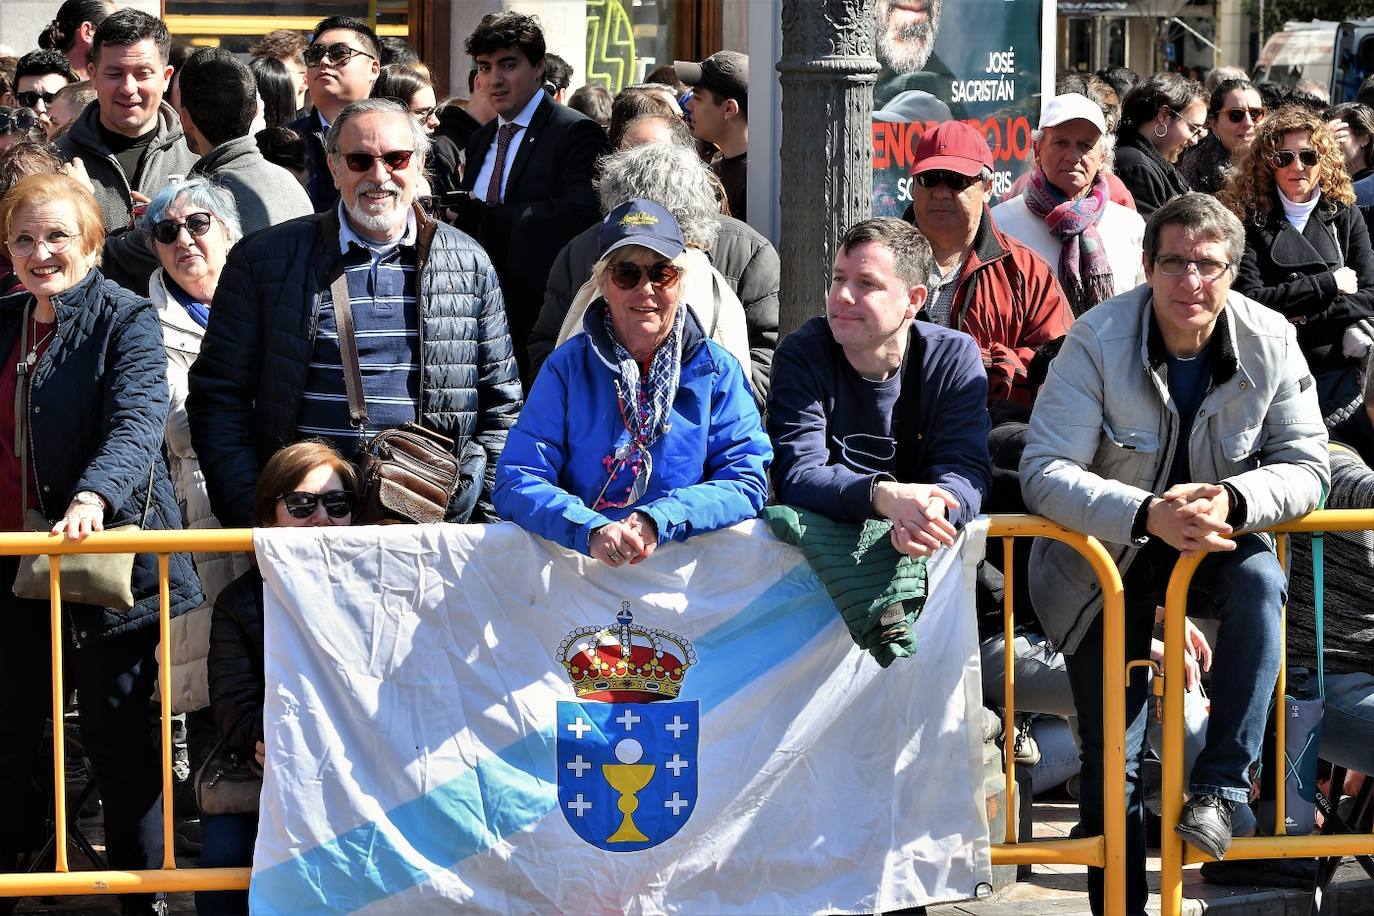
{"x": 639, "y": 430}
{"x": 83, "y": 370}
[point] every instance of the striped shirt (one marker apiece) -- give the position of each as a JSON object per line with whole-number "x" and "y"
{"x": 382, "y": 294}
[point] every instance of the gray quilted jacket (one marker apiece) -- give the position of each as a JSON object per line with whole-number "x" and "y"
{"x": 246, "y": 385}
{"x": 1104, "y": 430}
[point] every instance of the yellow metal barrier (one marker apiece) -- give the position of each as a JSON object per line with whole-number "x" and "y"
{"x": 1106, "y": 851}
{"x": 1109, "y": 850}
{"x": 1174, "y": 853}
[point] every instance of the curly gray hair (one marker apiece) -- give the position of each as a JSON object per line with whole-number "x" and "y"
{"x": 673, "y": 177}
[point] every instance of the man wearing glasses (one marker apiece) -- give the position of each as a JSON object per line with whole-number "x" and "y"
{"x": 1174, "y": 416}
{"x": 874, "y": 414}
{"x": 982, "y": 281}
{"x": 423, "y": 310}
{"x": 37, "y": 79}
{"x": 341, "y": 64}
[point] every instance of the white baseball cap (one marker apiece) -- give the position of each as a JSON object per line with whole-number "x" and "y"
{"x": 1072, "y": 106}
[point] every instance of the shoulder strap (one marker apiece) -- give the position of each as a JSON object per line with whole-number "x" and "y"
{"x": 1318, "y": 583}
{"x": 348, "y": 352}
{"x": 21, "y": 444}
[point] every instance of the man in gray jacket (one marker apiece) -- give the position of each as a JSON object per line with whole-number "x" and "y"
{"x": 1174, "y": 416}
{"x": 129, "y": 141}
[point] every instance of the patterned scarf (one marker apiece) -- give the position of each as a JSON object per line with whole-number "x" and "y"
{"x": 646, "y": 404}
{"x": 1084, "y": 271}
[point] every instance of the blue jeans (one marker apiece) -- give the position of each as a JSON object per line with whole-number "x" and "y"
{"x": 226, "y": 842}
{"x": 1245, "y": 590}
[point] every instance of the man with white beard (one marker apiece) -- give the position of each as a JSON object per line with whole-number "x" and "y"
{"x": 428, "y": 322}
{"x": 906, "y": 32}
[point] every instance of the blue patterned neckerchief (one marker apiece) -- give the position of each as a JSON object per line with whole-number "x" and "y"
{"x": 646, "y": 405}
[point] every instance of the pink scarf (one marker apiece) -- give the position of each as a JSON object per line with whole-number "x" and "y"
{"x": 1084, "y": 271}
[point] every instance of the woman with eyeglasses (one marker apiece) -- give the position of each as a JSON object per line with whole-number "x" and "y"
{"x": 1233, "y": 116}
{"x": 1307, "y": 250}
{"x": 1162, "y": 116}
{"x": 305, "y": 485}
{"x": 639, "y": 430}
{"x": 413, "y": 90}
{"x": 191, "y": 227}
{"x": 83, "y": 406}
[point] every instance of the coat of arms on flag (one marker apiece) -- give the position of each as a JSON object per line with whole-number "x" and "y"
{"x": 627, "y": 770}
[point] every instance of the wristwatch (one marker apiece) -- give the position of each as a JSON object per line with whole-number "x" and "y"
{"x": 87, "y": 498}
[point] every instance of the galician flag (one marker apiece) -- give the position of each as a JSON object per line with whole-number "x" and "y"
{"x": 469, "y": 718}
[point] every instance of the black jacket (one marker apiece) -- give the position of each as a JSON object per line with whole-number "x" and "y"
{"x": 1291, "y": 272}
{"x": 320, "y": 185}
{"x": 235, "y": 664}
{"x": 549, "y": 199}
{"x": 97, "y": 408}
{"x": 246, "y": 386}
{"x": 1207, "y": 166}
{"x": 746, "y": 260}
{"x": 1150, "y": 178}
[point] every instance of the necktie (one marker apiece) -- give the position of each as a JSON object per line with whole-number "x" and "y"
{"x": 503, "y": 138}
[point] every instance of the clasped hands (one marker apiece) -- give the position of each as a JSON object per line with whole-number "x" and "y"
{"x": 630, "y": 540}
{"x": 919, "y": 515}
{"x": 1191, "y": 518}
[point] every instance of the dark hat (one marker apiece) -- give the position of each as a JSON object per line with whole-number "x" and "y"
{"x": 641, "y": 222}
{"x": 726, "y": 72}
{"x": 953, "y": 147}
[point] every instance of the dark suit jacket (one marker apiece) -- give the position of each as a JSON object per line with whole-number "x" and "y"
{"x": 549, "y": 199}
{"x": 1291, "y": 272}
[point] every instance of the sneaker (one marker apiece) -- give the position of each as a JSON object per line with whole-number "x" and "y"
{"x": 1206, "y": 824}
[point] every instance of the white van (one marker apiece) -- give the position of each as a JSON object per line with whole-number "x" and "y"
{"x": 1301, "y": 51}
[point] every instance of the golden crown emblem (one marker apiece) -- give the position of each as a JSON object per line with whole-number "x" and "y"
{"x": 625, "y": 662}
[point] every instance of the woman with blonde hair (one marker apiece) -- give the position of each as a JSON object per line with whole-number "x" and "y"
{"x": 1307, "y": 251}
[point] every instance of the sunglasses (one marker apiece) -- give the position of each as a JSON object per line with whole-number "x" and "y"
{"x": 196, "y": 225}
{"x": 394, "y": 160}
{"x": 1283, "y": 158}
{"x": 338, "y": 54}
{"x": 628, "y": 274}
{"x": 32, "y": 97}
{"x": 1236, "y": 115}
{"x": 952, "y": 180}
{"x": 16, "y": 119}
{"x": 337, "y": 503}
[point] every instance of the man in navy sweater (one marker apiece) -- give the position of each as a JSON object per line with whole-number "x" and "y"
{"x": 873, "y": 413}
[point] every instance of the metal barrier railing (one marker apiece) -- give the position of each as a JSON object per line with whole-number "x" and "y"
{"x": 1174, "y": 853}
{"x": 1106, "y": 851}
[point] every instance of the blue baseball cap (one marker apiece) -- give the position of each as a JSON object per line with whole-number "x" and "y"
{"x": 644, "y": 223}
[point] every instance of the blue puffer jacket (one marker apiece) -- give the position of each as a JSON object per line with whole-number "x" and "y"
{"x": 247, "y": 384}
{"x": 709, "y": 470}
{"x": 97, "y": 410}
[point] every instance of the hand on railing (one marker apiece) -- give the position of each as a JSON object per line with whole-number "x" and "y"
{"x": 85, "y": 514}
{"x": 1191, "y": 518}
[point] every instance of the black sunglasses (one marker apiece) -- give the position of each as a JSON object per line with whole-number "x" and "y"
{"x": 952, "y": 180}
{"x": 16, "y": 119}
{"x": 337, "y": 503}
{"x": 196, "y": 225}
{"x": 338, "y": 53}
{"x": 1283, "y": 158}
{"x": 628, "y": 274}
{"x": 1236, "y": 115}
{"x": 361, "y": 162}
{"x": 32, "y": 97}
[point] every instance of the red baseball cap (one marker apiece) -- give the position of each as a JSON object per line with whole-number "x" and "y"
{"x": 953, "y": 146}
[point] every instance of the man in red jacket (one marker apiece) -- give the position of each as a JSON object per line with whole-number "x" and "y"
{"x": 983, "y": 283}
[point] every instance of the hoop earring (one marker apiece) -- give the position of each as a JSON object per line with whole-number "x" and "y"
{"x": 1160, "y": 131}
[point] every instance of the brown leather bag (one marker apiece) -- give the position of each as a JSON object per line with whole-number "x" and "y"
{"x": 407, "y": 474}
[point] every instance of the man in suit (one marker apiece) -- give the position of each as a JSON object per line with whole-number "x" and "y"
{"x": 529, "y": 171}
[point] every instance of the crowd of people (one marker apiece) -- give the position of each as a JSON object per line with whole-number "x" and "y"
{"x": 222, "y": 278}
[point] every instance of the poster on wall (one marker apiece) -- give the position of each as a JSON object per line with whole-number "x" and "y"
{"x": 981, "y": 61}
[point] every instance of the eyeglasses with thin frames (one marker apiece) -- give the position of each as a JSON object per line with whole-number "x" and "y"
{"x": 22, "y": 246}
{"x": 1196, "y": 131}
{"x": 1207, "y": 269}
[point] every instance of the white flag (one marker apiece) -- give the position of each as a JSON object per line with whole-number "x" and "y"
{"x": 471, "y": 717}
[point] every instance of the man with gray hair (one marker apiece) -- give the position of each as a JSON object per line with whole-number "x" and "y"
{"x": 1174, "y": 416}
{"x": 673, "y": 176}
{"x": 427, "y": 315}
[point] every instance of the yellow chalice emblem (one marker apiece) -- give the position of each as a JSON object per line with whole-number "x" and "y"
{"x": 628, "y": 777}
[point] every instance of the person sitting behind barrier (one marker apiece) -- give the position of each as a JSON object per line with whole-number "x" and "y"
{"x": 93, "y": 408}
{"x": 1182, "y": 359}
{"x": 305, "y": 485}
{"x": 639, "y": 430}
{"x": 875, "y": 414}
